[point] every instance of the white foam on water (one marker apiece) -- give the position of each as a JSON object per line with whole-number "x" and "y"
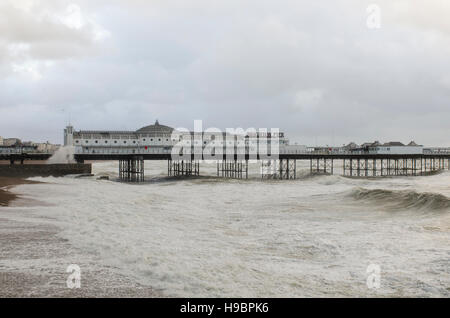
{"x": 213, "y": 237}
{"x": 63, "y": 155}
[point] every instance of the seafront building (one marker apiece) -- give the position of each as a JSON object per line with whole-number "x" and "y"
{"x": 8, "y": 142}
{"x": 15, "y": 145}
{"x": 46, "y": 147}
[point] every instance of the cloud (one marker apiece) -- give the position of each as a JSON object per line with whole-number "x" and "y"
{"x": 313, "y": 69}
{"x": 431, "y": 15}
{"x": 306, "y": 99}
{"x": 32, "y": 32}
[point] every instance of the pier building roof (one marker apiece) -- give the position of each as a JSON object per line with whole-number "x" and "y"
{"x": 155, "y": 128}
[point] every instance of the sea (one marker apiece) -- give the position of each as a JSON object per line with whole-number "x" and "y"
{"x": 316, "y": 236}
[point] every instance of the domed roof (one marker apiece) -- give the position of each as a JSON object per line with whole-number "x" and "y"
{"x": 156, "y": 128}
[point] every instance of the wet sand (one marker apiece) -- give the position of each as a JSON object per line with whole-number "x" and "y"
{"x": 34, "y": 258}
{"x": 5, "y": 184}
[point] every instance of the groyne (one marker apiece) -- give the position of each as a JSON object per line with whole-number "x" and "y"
{"x": 44, "y": 170}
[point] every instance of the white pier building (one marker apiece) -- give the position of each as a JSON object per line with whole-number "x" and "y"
{"x": 160, "y": 139}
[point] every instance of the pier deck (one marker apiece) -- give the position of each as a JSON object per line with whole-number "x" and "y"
{"x": 282, "y": 166}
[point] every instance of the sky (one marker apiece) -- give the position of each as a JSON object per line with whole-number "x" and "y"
{"x": 326, "y": 72}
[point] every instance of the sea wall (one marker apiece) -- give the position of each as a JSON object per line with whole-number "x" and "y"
{"x": 44, "y": 170}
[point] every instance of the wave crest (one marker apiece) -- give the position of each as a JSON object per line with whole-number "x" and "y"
{"x": 404, "y": 199}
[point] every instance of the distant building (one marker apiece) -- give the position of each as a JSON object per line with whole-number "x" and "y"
{"x": 436, "y": 150}
{"x": 395, "y": 147}
{"x": 8, "y": 142}
{"x": 46, "y": 147}
{"x": 370, "y": 144}
{"x": 351, "y": 146}
{"x": 294, "y": 149}
{"x": 1, "y": 141}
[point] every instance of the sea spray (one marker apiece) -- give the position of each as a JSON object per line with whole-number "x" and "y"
{"x": 63, "y": 155}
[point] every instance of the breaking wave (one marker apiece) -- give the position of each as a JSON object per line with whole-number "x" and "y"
{"x": 63, "y": 155}
{"x": 403, "y": 199}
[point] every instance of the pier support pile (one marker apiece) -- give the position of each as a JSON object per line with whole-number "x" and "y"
{"x": 393, "y": 167}
{"x": 442, "y": 163}
{"x": 283, "y": 169}
{"x": 131, "y": 169}
{"x": 177, "y": 168}
{"x": 237, "y": 169}
{"x": 321, "y": 166}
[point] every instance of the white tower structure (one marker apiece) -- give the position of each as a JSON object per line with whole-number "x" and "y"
{"x": 68, "y": 136}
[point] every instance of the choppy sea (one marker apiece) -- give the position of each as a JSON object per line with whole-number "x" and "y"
{"x": 314, "y": 236}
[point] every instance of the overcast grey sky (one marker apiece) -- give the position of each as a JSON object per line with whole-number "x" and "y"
{"x": 311, "y": 68}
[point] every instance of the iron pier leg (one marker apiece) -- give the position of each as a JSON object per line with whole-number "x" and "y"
{"x": 351, "y": 167}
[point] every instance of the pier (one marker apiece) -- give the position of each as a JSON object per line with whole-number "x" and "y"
{"x": 131, "y": 167}
{"x": 283, "y": 167}
{"x": 232, "y": 153}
